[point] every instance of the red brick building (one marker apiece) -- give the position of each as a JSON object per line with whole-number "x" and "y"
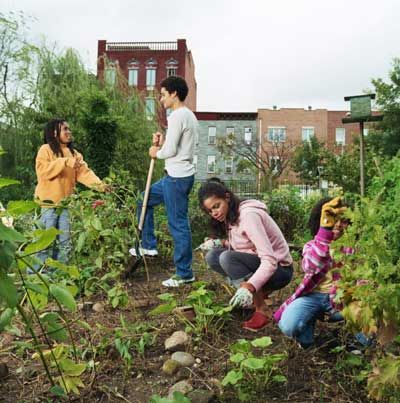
{"x": 145, "y": 65}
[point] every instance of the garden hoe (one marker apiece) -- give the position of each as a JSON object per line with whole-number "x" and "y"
{"x": 134, "y": 264}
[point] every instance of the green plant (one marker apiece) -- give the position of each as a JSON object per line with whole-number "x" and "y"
{"x": 252, "y": 372}
{"x": 177, "y": 397}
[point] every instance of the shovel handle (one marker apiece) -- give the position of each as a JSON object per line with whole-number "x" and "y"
{"x": 146, "y": 195}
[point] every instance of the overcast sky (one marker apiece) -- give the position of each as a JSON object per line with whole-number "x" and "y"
{"x": 248, "y": 54}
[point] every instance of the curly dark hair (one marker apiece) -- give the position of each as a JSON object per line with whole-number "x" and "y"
{"x": 51, "y": 136}
{"x": 215, "y": 187}
{"x": 178, "y": 84}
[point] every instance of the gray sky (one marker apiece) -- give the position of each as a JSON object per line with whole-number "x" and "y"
{"x": 248, "y": 54}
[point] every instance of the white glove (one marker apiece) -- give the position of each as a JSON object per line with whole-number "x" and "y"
{"x": 243, "y": 298}
{"x": 209, "y": 244}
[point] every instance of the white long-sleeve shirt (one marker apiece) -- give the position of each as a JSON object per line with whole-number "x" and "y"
{"x": 178, "y": 148}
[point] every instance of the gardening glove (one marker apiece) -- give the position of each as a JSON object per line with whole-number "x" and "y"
{"x": 210, "y": 243}
{"x": 243, "y": 298}
{"x": 330, "y": 211}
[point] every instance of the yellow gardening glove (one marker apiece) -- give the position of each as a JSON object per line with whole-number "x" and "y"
{"x": 330, "y": 212}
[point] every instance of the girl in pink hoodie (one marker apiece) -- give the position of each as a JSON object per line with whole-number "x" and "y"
{"x": 255, "y": 256}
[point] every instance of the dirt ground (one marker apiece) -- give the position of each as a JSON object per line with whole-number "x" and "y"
{"x": 313, "y": 375}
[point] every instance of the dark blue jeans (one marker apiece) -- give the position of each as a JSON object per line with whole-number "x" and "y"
{"x": 174, "y": 194}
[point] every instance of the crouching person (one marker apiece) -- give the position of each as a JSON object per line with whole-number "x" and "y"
{"x": 254, "y": 254}
{"x": 313, "y": 298}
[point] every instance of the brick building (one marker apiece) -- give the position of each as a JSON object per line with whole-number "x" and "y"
{"x": 213, "y": 125}
{"x": 291, "y": 126}
{"x": 145, "y": 65}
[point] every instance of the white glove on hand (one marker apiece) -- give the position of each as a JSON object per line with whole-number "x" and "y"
{"x": 243, "y": 298}
{"x": 210, "y": 244}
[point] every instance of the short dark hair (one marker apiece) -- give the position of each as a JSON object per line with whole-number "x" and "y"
{"x": 178, "y": 84}
{"x": 215, "y": 187}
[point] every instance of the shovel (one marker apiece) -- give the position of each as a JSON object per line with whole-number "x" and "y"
{"x": 139, "y": 257}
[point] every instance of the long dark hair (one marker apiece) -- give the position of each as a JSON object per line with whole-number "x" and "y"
{"x": 52, "y": 131}
{"x": 215, "y": 187}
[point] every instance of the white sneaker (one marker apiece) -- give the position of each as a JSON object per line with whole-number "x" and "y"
{"x": 176, "y": 281}
{"x": 146, "y": 252}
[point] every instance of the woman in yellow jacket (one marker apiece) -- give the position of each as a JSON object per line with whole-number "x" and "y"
{"x": 58, "y": 167}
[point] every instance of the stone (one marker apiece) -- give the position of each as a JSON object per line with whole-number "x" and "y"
{"x": 201, "y": 396}
{"x": 182, "y": 386}
{"x": 170, "y": 367}
{"x": 98, "y": 307}
{"x": 86, "y": 306}
{"x": 198, "y": 361}
{"x": 177, "y": 340}
{"x": 184, "y": 359}
{"x": 183, "y": 373}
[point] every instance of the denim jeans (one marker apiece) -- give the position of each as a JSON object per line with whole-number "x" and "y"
{"x": 298, "y": 319}
{"x": 174, "y": 194}
{"x": 62, "y": 249}
{"x": 240, "y": 266}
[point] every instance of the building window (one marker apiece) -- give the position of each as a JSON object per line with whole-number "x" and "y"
{"x": 340, "y": 136}
{"x": 307, "y": 133}
{"x": 133, "y": 77}
{"x": 171, "y": 71}
{"x": 150, "y": 107}
{"x": 212, "y": 134}
{"x": 248, "y": 134}
{"x": 211, "y": 164}
{"x": 275, "y": 164}
{"x": 195, "y": 162}
{"x": 276, "y": 134}
{"x": 230, "y": 135}
{"x": 110, "y": 75}
{"x": 229, "y": 165}
{"x": 365, "y": 132}
{"x": 151, "y": 77}
{"x": 230, "y": 131}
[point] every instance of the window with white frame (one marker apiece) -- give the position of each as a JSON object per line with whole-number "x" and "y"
{"x": 307, "y": 133}
{"x": 212, "y": 134}
{"x": 171, "y": 71}
{"x": 275, "y": 163}
{"x": 229, "y": 165}
{"x": 150, "y": 107}
{"x": 211, "y": 164}
{"x": 195, "y": 162}
{"x": 110, "y": 75}
{"x": 248, "y": 134}
{"x": 276, "y": 134}
{"x": 133, "y": 74}
{"x": 340, "y": 136}
{"x": 151, "y": 77}
{"x": 230, "y": 135}
{"x": 365, "y": 132}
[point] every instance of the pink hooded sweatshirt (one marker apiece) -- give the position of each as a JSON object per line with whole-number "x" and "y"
{"x": 257, "y": 233}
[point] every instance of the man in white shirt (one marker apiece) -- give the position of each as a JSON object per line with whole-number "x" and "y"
{"x": 173, "y": 189}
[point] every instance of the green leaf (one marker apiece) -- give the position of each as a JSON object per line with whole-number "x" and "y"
{"x": 72, "y": 271}
{"x": 7, "y": 253}
{"x": 96, "y": 224}
{"x": 70, "y": 368}
{"x": 232, "y": 377}
{"x": 254, "y": 363}
{"x": 10, "y": 234}
{"x": 167, "y": 296}
{"x": 63, "y": 296}
{"x": 54, "y": 326}
{"x": 179, "y": 397}
{"x": 20, "y": 207}
{"x": 81, "y": 241}
{"x": 8, "y": 291}
{"x": 6, "y": 317}
{"x": 163, "y": 309}
{"x": 262, "y": 342}
{"x": 241, "y": 346}
{"x": 57, "y": 391}
{"x": 238, "y": 357}
{"x": 38, "y": 288}
{"x": 279, "y": 378}
{"x": 7, "y": 182}
{"x": 46, "y": 238}
{"x": 106, "y": 232}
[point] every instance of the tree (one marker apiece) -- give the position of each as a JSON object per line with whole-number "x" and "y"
{"x": 307, "y": 159}
{"x": 270, "y": 159}
{"x": 386, "y": 139}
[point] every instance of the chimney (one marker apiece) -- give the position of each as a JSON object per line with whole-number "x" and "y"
{"x": 274, "y": 107}
{"x": 309, "y": 107}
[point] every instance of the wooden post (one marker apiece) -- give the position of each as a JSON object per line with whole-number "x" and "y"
{"x": 362, "y": 180}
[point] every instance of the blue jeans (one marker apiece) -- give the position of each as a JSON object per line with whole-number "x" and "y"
{"x": 174, "y": 194}
{"x": 298, "y": 319}
{"x": 62, "y": 249}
